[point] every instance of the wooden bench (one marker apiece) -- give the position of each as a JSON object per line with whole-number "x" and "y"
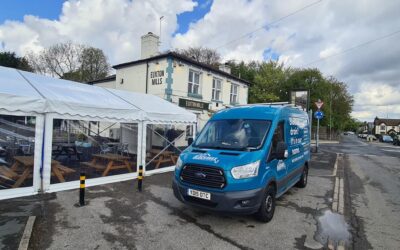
{"x": 112, "y": 162}
{"x": 8, "y": 173}
{"x": 159, "y": 157}
{"x": 66, "y": 170}
{"x": 93, "y": 165}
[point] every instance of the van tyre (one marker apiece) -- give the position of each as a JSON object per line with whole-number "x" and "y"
{"x": 267, "y": 208}
{"x": 304, "y": 178}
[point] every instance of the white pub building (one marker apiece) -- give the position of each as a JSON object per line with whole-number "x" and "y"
{"x": 195, "y": 86}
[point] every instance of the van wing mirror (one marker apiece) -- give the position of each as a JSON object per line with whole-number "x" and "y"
{"x": 281, "y": 151}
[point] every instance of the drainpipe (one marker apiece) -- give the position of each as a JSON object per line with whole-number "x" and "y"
{"x": 147, "y": 76}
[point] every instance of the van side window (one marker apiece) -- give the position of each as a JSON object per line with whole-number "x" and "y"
{"x": 279, "y": 136}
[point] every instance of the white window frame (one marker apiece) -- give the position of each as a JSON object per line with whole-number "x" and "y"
{"x": 216, "y": 90}
{"x": 39, "y": 130}
{"x": 192, "y": 83}
{"x": 234, "y": 95}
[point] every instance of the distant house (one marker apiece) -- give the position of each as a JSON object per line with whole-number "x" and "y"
{"x": 386, "y": 126}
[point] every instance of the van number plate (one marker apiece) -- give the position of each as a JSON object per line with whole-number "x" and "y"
{"x": 199, "y": 194}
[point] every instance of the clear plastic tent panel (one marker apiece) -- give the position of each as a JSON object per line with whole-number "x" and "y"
{"x": 164, "y": 143}
{"x": 96, "y": 148}
{"x": 17, "y": 151}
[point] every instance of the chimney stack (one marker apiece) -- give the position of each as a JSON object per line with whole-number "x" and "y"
{"x": 225, "y": 67}
{"x": 149, "y": 45}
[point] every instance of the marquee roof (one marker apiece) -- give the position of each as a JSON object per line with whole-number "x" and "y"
{"x": 28, "y": 92}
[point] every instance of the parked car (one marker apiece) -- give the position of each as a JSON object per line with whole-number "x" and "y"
{"x": 245, "y": 158}
{"x": 371, "y": 138}
{"x": 386, "y": 138}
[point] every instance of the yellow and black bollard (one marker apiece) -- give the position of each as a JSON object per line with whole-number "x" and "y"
{"x": 82, "y": 190}
{"x": 140, "y": 177}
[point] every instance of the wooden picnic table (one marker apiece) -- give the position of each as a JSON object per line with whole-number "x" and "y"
{"x": 68, "y": 149}
{"x": 113, "y": 161}
{"x": 26, "y": 163}
{"x": 164, "y": 156}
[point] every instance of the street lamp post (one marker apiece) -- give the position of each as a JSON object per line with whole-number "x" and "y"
{"x": 161, "y": 18}
{"x": 330, "y": 117}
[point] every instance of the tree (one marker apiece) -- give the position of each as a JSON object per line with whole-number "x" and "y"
{"x": 94, "y": 64}
{"x": 10, "y": 59}
{"x": 268, "y": 83}
{"x": 202, "y": 55}
{"x": 71, "y": 61}
{"x": 272, "y": 82}
{"x": 245, "y": 71}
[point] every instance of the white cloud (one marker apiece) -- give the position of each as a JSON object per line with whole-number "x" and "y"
{"x": 377, "y": 99}
{"x": 321, "y": 31}
{"x": 114, "y": 26}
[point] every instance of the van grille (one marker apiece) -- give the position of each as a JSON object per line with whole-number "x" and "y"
{"x": 203, "y": 176}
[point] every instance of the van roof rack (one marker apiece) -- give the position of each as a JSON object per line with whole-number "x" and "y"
{"x": 286, "y": 104}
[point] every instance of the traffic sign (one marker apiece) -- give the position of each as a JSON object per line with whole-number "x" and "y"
{"x": 319, "y": 114}
{"x": 319, "y": 103}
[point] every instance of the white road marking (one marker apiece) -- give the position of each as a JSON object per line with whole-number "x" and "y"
{"x": 391, "y": 150}
{"x": 24, "y": 243}
{"x": 338, "y": 193}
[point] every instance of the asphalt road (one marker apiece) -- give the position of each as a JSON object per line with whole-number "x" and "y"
{"x": 372, "y": 188}
{"x": 119, "y": 217}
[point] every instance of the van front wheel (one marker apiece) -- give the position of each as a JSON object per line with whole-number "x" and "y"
{"x": 267, "y": 208}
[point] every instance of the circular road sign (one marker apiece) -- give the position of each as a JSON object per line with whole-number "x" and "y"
{"x": 318, "y": 114}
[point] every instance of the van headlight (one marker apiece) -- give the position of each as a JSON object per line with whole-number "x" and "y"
{"x": 178, "y": 164}
{"x": 245, "y": 171}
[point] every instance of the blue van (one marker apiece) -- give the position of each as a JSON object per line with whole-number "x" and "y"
{"x": 244, "y": 158}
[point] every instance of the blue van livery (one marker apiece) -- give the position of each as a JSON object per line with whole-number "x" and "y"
{"x": 244, "y": 158}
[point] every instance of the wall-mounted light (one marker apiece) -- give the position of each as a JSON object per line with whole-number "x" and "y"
{"x": 181, "y": 64}
{"x": 121, "y": 81}
{"x": 209, "y": 73}
{"x": 157, "y": 62}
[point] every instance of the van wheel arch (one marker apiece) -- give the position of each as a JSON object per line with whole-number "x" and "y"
{"x": 273, "y": 183}
{"x": 302, "y": 183}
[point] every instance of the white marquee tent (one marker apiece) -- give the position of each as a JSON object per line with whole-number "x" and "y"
{"x": 45, "y": 98}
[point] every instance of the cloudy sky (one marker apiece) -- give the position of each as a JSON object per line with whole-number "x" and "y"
{"x": 358, "y": 41}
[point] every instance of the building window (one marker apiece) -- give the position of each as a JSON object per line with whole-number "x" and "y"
{"x": 216, "y": 89}
{"x": 234, "y": 93}
{"x": 382, "y": 127}
{"x": 194, "y": 83}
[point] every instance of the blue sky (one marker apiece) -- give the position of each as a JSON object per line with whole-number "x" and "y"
{"x": 51, "y": 9}
{"x": 341, "y": 25}
{"x": 184, "y": 19}
{"x": 16, "y": 9}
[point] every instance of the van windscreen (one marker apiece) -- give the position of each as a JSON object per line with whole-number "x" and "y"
{"x": 233, "y": 134}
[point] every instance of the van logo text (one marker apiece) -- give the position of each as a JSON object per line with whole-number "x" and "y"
{"x": 206, "y": 157}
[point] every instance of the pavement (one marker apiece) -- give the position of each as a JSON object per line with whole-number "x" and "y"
{"x": 117, "y": 216}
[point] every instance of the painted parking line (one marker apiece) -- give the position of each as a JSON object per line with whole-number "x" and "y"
{"x": 24, "y": 243}
{"x": 391, "y": 150}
